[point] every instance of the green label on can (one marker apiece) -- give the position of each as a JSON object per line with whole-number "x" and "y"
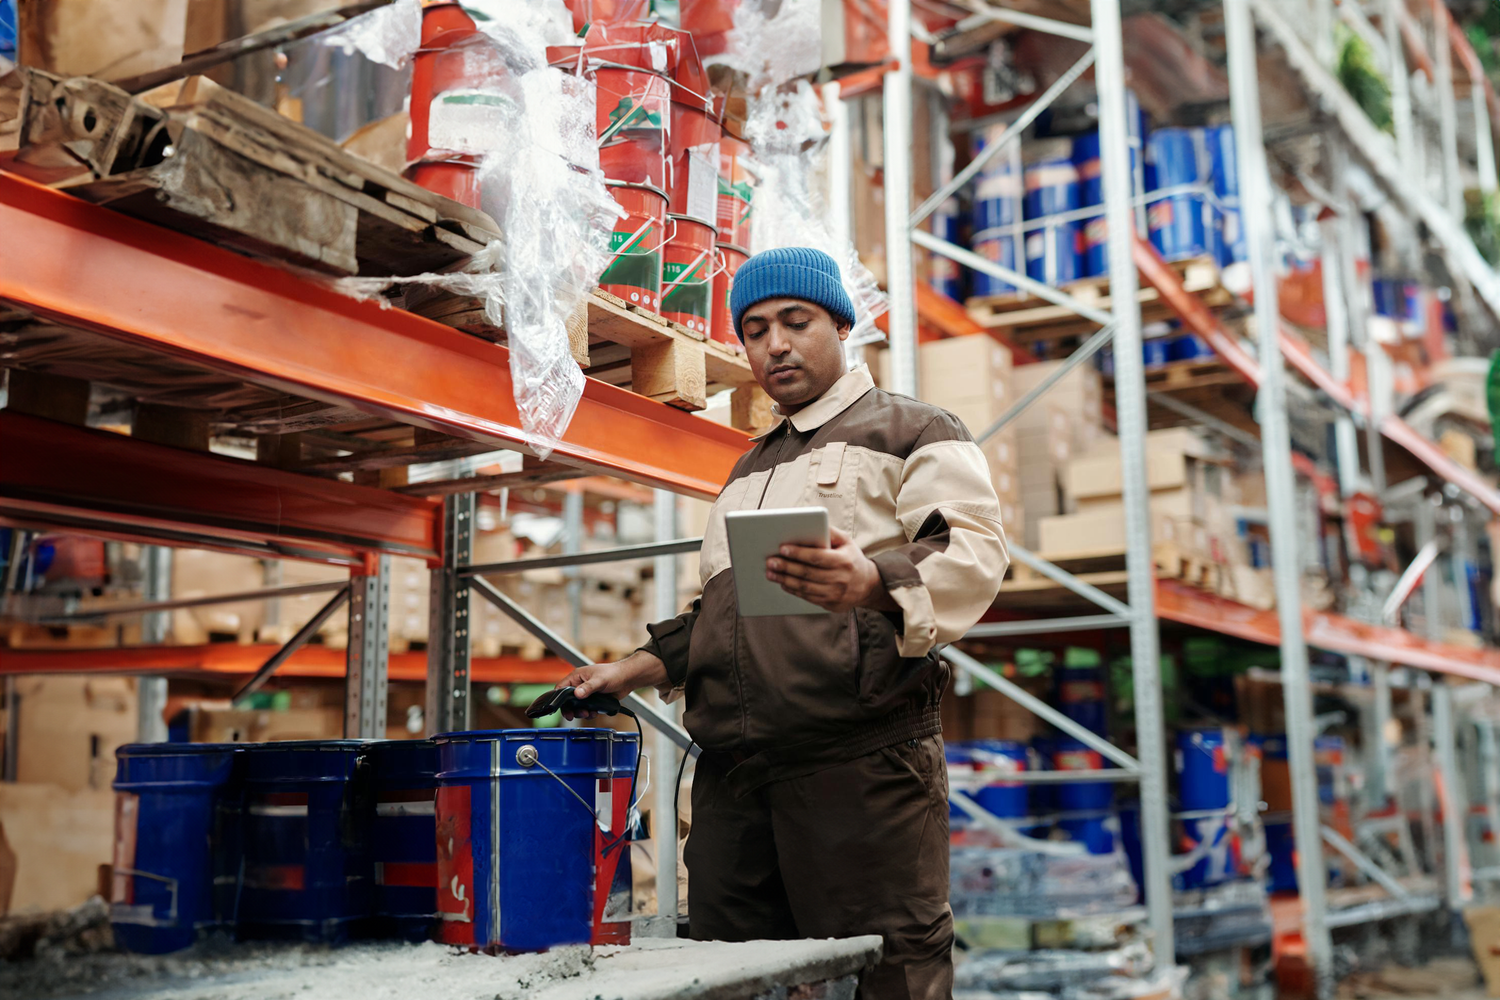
{"x": 691, "y": 295}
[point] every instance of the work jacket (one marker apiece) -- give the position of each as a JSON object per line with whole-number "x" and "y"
{"x": 787, "y": 695}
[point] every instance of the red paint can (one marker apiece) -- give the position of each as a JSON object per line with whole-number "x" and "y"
{"x": 689, "y": 266}
{"x": 650, "y": 46}
{"x": 735, "y": 191}
{"x": 455, "y": 55}
{"x": 730, "y": 259}
{"x": 634, "y": 271}
{"x": 694, "y": 161}
{"x": 587, "y": 12}
{"x": 634, "y": 113}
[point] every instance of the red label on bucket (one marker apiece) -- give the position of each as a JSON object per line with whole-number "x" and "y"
{"x": 127, "y": 815}
{"x": 1078, "y": 760}
{"x": 455, "y": 866}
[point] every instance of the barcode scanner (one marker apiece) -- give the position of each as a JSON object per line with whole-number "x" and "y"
{"x": 560, "y": 699}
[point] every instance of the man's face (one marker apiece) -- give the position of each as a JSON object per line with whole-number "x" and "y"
{"x": 796, "y": 350}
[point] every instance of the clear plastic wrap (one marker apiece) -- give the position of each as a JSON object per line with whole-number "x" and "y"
{"x": 531, "y": 127}
{"x": 785, "y": 129}
{"x": 1005, "y": 882}
{"x": 387, "y": 35}
{"x": 773, "y": 41}
{"x": 1052, "y": 971}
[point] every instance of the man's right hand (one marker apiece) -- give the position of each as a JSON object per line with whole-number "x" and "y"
{"x": 638, "y": 670}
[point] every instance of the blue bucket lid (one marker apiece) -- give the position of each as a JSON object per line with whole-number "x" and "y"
{"x": 142, "y": 766}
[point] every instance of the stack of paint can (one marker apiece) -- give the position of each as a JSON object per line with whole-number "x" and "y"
{"x": 1052, "y": 245}
{"x": 1177, "y": 213}
{"x": 997, "y": 221}
{"x": 331, "y": 840}
{"x": 735, "y": 195}
{"x": 1276, "y": 795}
{"x": 1202, "y": 765}
{"x": 944, "y": 274}
{"x": 1086, "y": 159}
{"x": 691, "y": 260}
{"x": 1227, "y": 235}
{"x": 1084, "y": 808}
{"x": 1006, "y": 800}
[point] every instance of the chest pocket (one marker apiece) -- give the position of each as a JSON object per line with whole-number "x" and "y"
{"x": 835, "y": 484}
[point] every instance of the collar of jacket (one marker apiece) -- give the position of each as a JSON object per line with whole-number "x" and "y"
{"x": 840, "y": 396}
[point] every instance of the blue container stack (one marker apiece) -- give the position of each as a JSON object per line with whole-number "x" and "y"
{"x": 309, "y": 807}
{"x": 1177, "y": 222}
{"x": 1085, "y": 808}
{"x": 1052, "y": 250}
{"x": 403, "y": 837}
{"x": 515, "y": 815}
{"x": 1095, "y": 236}
{"x": 947, "y": 277}
{"x": 1227, "y": 235}
{"x": 1203, "y": 786}
{"x": 997, "y": 216}
{"x": 170, "y": 816}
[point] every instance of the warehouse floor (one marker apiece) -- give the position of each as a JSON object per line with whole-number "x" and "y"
{"x": 648, "y": 970}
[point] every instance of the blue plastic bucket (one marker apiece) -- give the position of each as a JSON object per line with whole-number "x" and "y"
{"x": 309, "y": 809}
{"x": 1390, "y": 297}
{"x": 1130, "y": 842}
{"x": 516, "y": 836}
{"x": 173, "y": 838}
{"x": 1005, "y": 799}
{"x": 1188, "y": 347}
{"x": 1156, "y": 351}
{"x": 613, "y": 898}
{"x": 998, "y": 246}
{"x": 947, "y": 277}
{"x": 1227, "y": 232}
{"x": 1084, "y": 807}
{"x": 1214, "y": 867}
{"x": 403, "y": 837}
{"x": 997, "y": 192}
{"x": 1052, "y": 252}
{"x": 958, "y": 758}
{"x": 1202, "y": 770}
{"x": 1281, "y": 846}
{"x": 1328, "y": 755}
{"x": 1080, "y": 696}
{"x": 1176, "y": 223}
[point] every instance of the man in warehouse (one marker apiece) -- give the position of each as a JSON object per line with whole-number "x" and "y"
{"x": 820, "y": 799}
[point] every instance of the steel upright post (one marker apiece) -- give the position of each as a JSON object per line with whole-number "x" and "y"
{"x": 1130, "y": 409}
{"x": 572, "y": 544}
{"x": 900, "y": 277}
{"x": 1244, "y": 91}
{"x": 663, "y": 749}
{"x": 368, "y": 656}
{"x": 1455, "y": 798}
{"x": 1453, "y": 190}
{"x": 151, "y": 692}
{"x": 448, "y": 622}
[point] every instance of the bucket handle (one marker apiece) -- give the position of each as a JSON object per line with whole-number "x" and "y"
{"x": 622, "y": 252}
{"x": 667, "y": 290}
{"x": 630, "y": 810}
{"x": 171, "y": 884}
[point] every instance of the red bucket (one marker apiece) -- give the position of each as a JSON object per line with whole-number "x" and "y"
{"x": 689, "y": 267}
{"x": 735, "y": 191}
{"x": 634, "y": 271}
{"x": 730, "y": 259}
{"x": 586, "y": 12}
{"x": 454, "y": 55}
{"x": 651, "y": 46}
{"x": 694, "y": 163}
{"x": 634, "y": 113}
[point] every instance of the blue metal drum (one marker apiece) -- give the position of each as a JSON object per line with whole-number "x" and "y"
{"x": 1005, "y": 799}
{"x": 403, "y": 837}
{"x": 1282, "y": 847}
{"x": 999, "y": 246}
{"x": 1084, "y": 807}
{"x": 1176, "y": 222}
{"x": 1052, "y": 252}
{"x": 946, "y": 276}
{"x": 997, "y": 193}
{"x": 1227, "y": 232}
{"x": 309, "y": 811}
{"x": 173, "y": 838}
{"x": 1202, "y": 770}
{"x": 1080, "y": 695}
{"x": 516, "y": 836}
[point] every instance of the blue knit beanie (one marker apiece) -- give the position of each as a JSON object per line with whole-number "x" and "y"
{"x": 790, "y": 273}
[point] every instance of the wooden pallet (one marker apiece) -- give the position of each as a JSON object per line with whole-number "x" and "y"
{"x": 1031, "y": 319}
{"x": 201, "y": 159}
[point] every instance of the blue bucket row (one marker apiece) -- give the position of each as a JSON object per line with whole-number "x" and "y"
{"x": 1182, "y": 225}
{"x": 329, "y": 840}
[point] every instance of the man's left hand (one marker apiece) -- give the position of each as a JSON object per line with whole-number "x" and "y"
{"x": 838, "y": 578}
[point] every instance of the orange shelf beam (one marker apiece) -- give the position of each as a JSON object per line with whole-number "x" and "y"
{"x": 86, "y": 266}
{"x": 232, "y": 661}
{"x": 1176, "y": 601}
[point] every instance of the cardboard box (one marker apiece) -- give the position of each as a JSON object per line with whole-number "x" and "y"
{"x": 1101, "y": 529}
{"x": 1101, "y": 474}
{"x": 59, "y": 839}
{"x": 1484, "y": 937}
{"x": 70, "y": 728}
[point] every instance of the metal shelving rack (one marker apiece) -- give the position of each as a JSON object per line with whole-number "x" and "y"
{"x": 1122, "y": 325}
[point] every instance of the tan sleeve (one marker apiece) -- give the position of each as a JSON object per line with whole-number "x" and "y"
{"x": 947, "y": 575}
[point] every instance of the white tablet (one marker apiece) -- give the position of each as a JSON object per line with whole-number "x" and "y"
{"x": 755, "y": 536}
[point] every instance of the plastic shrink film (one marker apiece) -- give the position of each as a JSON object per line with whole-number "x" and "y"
{"x": 772, "y": 41}
{"x": 786, "y": 130}
{"x": 996, "y": 881}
